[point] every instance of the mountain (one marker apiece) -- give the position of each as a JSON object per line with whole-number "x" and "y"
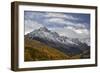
{"x": 80, "y": 33}
{"x": 35, "y": 51}
{"x": 68, "y": 46}
{"x": 46, "y": 34}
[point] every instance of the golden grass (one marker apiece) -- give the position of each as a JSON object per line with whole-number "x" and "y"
{"x": 35, "y": 50}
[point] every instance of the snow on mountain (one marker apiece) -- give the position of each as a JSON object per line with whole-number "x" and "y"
{"x": 80, "y": 33}
{"x": 44, "y": 33}
{"x": 71, "y": 46}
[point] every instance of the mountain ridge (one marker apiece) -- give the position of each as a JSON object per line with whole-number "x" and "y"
{"x": 53, "y": 39}
{"x": 43, "y": 32}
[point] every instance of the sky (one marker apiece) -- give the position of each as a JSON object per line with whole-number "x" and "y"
{"x": 60, "y": 22}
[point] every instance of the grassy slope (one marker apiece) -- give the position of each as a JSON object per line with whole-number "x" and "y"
{"x": 35, "y": 51}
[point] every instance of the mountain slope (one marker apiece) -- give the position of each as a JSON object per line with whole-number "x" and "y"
{"x": 42, "y": 42}
{"x": 62, "y": 43}
{"x": 35, "y": 51}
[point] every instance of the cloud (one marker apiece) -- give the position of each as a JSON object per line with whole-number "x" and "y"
{"x": 31, "y": 25}
{"x": 61, "y": 15}
{"x": 72, "y": 32}
{"x": 62, "y": 22}
{"x": 78, "y": 30}
{"x": 82, "y": 31}
{"x": 32, "y": 14}
{"x": 56, "y": 20}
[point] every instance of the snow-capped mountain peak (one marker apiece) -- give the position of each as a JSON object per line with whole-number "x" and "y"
{"x": 44, "y": 33}
{"x": 43, "y": 29}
